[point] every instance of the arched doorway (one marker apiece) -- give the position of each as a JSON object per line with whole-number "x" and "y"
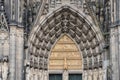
{"x": 65, "y": 61}
{"x": 66, "y": 20}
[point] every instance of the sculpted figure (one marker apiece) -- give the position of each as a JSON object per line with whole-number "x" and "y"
{"x": 27, "y": 72}
{"x": 85, "y": 75}
{"x": 95, "y": 76}
{"x": 100, "y": 74}
{"x": 31, "y": 73}
{"x": 5, "y": 68}
{"x": 45, "y": 75}
{"x": 90, "y": 75}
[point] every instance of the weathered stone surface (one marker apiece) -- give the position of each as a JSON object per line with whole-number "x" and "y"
{"x": 30, "y": 30}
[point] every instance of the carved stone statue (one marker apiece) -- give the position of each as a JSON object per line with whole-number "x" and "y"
{"x": 32, "y": 73}
{"x": 85, "y": 75}
{"x": 27, "y": 72}
{"x": 5, "y": 68}
{"x": 90, "y": 75}
{"x": 101, "y": 74}
{"x": 45, "y": 75}
{"x": 95, "y": 75}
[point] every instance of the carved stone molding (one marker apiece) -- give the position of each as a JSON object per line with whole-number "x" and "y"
{"x": 68, "y": 22}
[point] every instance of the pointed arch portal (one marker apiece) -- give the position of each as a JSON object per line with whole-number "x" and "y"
{"x": 70, "y": 21}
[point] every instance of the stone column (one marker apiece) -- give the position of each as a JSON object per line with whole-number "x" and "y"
{"x": 114, "y": 53}
{"x": 12, "y": 52}
{"x": 65, "y": 75}
{"x": 116, "y": 57}
{"x": 19, "y": 53}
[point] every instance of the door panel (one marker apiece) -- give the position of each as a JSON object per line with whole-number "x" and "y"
{"x": 75, "y": 76}
{"x": 55, "y": 77}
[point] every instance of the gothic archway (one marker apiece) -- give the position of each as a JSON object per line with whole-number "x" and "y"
{"x": 69, "y": 21}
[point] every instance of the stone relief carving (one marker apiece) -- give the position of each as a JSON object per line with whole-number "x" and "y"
{"x": 46, "y": 9}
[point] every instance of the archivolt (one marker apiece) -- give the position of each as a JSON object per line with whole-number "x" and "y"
{"x": 77, "y": 25}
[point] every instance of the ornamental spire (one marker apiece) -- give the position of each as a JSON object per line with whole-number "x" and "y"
{"x": 3, "y": 21}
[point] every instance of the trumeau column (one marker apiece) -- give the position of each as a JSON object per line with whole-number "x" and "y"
{"x": 19, "y": 53}
{"x": 12, "y": 52}
{"x": 65, "y": 75}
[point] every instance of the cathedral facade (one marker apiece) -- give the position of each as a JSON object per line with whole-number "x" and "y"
{"x": 59, "y": 39}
